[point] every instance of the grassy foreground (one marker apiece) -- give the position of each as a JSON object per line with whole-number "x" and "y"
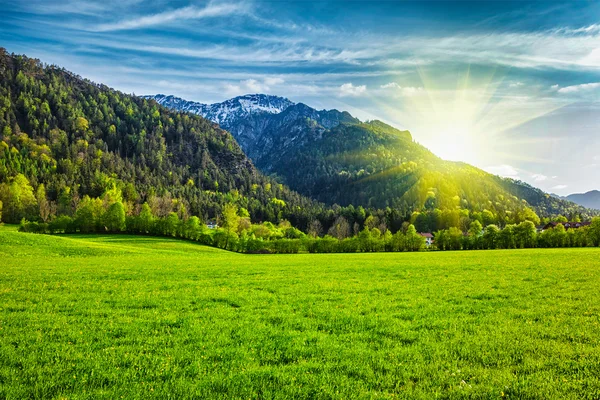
{"x": 136, "y": 317}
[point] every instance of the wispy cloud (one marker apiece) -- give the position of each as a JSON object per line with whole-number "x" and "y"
{"x": 559, "y": 187}
{"x": 168, "y": 17}
{"x": 402, "y": 90}
{"x": 539, "y": 177}
{"x": 580, "y": 88}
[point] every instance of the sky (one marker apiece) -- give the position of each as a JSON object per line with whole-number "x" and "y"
{"x": 512, "y": 87}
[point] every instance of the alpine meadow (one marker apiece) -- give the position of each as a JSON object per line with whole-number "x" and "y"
{"x": 243, "y": 199}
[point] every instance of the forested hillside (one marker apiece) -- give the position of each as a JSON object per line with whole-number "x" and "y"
{"x": 376, "y": 165}
{"x": 337, "y": 159}
{"x": 71, "y": 138}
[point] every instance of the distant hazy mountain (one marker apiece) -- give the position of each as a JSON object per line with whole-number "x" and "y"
{"x": 335, "y": 158}
{"x": 590, "y": 199}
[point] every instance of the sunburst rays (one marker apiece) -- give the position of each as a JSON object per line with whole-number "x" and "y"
{"x": 471, "y": 121}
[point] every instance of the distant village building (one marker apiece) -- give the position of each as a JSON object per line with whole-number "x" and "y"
{"x": 567, "y": 225}
{"x": 212, "y": 225}
{"x": 428, "y": 238}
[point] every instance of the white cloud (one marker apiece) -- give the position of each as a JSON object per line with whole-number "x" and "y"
{"x": 348, "y": 89}
{"x": 273, "y": 81}
{"x": 559, "y": 187}
{"x": 391, "y": 85}
{"x": 516, "y": 84}
{"x": 504, "y": 170}
{"x": 539, "y": 177}
{"x": 579, "y": 88}
{"x": 212, "y": 9}
{"x": 252, "y": 85}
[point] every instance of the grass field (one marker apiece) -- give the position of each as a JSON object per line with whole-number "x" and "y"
{"x": 137, "y": 317}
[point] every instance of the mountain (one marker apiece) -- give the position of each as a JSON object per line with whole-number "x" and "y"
{"x": 227, "y": 112}
{"x": 335, "y": 158}
{"x": 65, "y": 138}
{"x": 79, "y": 138}
{"x": 590, "y": 199}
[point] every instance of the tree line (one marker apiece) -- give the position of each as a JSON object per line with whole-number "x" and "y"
{"x": 237, "y": 232}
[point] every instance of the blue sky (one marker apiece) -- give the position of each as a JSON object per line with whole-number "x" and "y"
{"x": 512, "y": 87}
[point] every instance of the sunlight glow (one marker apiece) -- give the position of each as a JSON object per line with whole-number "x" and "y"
{"x": 470, "y": 122}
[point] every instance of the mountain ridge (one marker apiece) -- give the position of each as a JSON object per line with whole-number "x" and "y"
{"x": 337, "y": 159}
{"x": 221, "y": 113}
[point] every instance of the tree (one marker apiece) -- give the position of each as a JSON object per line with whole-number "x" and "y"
{"x": 81, "y": 124}
{"x": 506, "y": 237}
{"x": 43, "y": 204}
{"x": 371, "y": 222}
{"x": 525, "y": 234}
{"x": 454, "y": 240}
{"x": 18, "y": 200}
{"x": 340, "y": 228}
{"x": 421, "y": 222}
{"x": 527, "y": 214}
{"x": 475, "y": 233}
{"x": 315, "y": 229}
{"x": 594, "y": 232}
{"x": 230, "y": 221}
{"x": 171, "y": 224}
{"x": 441, "y": 239}
{"x": 88, "y": 216}
{"x": 414, "y": 241}
{"x": 114, "y": 218}
{"x": 487, "y": 217}
{"x": 192, "y": 228}
{"x": 367, "y": 240}
{"x": 145, "y": 219}
{"x": 490, "y": 236}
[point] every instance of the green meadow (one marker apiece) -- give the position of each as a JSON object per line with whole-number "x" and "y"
{"x": 109, "y": 317}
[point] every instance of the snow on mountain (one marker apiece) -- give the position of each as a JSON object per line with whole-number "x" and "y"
{"x": 228, "y": 111}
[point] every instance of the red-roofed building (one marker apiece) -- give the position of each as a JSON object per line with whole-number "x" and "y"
{"x": 567, "y": 225}
{"x": 428, "y": 238}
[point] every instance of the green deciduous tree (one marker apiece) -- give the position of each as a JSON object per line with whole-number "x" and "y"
{"x": 594, "y": 231}
{"x": 88, "y": 216}
{"x": 114, "y": 218}
{"x": 230, "y": 221}
{"x": 18, "y": 200}
{"x": 414, "y": 241}
{"x": 43, "y": 204}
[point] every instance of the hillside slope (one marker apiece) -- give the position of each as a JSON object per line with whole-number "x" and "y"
{"x": 80, "y": 138}
{"x": 337, "y": 159}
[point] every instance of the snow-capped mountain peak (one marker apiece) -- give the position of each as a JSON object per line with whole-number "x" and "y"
{"x": 229, "y": 110}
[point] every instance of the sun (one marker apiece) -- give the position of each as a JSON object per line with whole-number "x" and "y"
{"x": 466, "y": 118}
{"x": 456, "y": 144}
